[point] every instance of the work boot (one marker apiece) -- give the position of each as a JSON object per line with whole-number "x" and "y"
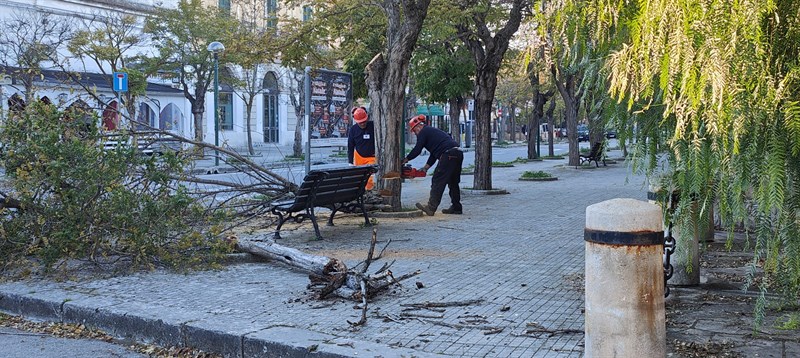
{"x": 451, "y": 210}
{"x": 426, "y": 209}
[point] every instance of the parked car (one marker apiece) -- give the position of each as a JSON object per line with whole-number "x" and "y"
{"x": 611, "y": 134}
{"x": 583, "y": 133}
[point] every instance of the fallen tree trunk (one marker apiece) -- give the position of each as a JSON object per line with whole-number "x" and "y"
{"x": 329, "y": 275}
{"x": 312, "y": 264}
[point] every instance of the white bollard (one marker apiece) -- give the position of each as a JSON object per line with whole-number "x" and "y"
{"x": 625, "y": 314}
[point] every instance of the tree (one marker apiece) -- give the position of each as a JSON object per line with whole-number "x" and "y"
{"x": 110, "y": 41}
{"x": 441, "y": 67}
{"x": 181, "y": 36}
{"x": 535, "y": 62}
{"x": 386, "y": 77}
{"x": 514, "y": 92}
{"x": 301, "y": 44}
{"x": 28, "y": 41}
{"x": 72, "y": 199}
{"x": 487, "y": 51}
{"x": 725, "y": 80}
{"x": 250, "y": 50}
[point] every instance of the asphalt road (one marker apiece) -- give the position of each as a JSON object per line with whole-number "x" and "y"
{"x": 21, "y": 344}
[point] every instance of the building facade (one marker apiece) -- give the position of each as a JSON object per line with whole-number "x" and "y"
{"x": 273, "y": 118}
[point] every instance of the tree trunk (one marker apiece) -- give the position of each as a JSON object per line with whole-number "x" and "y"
{"x": 539, "y": 99}
{"x": 387, "y": 75}
{"x": 197, "y": 114}
{"x": 297, "y": 145}
{"x": 550, "y": 125}
{"x": 567, "y": 87}
{"x": 455, "y": 113}
{"x": 571, "y": 117}
{"x": 311, "y": 264}
{"x": 248, "y": 116}
{"x": 512, "y": 116}
{"x": 485, "y": 85}
{"x": 297, "y": 99}
{"x": 385, "y": 85}
{"x": 331, "y": 273}
{"x": 252, "y": 93}
{"x": 488, "y": 53}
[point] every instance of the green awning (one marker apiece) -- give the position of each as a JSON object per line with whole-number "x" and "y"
{"x": 430, "y": 110}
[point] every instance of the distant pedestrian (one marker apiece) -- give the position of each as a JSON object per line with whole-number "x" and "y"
{"x": 447, "y": 173}
{"x": 361, "y": 142}
{"x": 524, "y": 130}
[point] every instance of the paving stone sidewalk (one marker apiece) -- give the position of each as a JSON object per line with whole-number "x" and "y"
{"x": 521, "y": 255}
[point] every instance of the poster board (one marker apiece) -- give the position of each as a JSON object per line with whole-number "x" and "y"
{"x": 331, "y": 103}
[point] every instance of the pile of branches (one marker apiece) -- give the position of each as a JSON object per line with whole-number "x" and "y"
{"x": 330, "y": 276}
{"x": 72, "y": 191}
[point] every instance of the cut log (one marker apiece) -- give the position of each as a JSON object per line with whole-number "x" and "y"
{"x": 330, "y": 273}
{"x": 311, "y": 264}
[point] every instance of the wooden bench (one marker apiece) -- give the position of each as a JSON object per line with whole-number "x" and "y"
{"x": 595, "y": 155}
{"x": 340, "y": 189}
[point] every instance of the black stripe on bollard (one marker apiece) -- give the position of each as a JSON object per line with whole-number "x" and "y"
{"x": 624, "y": 238}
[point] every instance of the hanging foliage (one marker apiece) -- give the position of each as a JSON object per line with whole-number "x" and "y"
{"x": 712, "y": 90}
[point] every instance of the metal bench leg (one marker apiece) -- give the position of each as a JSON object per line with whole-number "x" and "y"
{"x": 334, "y": 209}
{"x": 281, "y": 220}
{"x": 310, "y": 212}
{"x": 364, "y": 211}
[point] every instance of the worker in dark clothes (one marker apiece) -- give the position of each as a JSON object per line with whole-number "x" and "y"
{"x": 447, "y": 172}
{"x": 361, "y": 142}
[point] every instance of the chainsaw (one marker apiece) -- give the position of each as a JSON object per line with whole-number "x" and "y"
{"x": 409, "y": 172}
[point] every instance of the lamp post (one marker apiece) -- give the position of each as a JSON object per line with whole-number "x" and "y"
{"x": 216, "y": 48}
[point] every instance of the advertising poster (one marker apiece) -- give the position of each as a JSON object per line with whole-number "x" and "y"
{"x": 331, "y": 102}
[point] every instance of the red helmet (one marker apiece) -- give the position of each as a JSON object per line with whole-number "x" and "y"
{"x": 360, "y": 115}
{"x": 418, "y": 119}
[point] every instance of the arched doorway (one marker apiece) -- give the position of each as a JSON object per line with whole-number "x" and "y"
{"x": 171, "y": 118}
{"x": 111, "y": 117}
{"x": 271, "y": 125}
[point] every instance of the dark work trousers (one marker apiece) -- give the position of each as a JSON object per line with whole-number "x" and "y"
{"x": 447, "y": 173}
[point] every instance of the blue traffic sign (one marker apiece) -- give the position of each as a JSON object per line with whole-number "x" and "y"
{"x": 120, "y": 82}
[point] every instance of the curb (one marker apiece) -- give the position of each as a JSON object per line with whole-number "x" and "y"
{"x": 484, "y": 192}
{"x": 271, "y": 341}
{"x": 539, "y": 179}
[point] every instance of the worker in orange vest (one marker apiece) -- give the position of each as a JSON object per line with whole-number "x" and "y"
{"x": 361, "y": 142}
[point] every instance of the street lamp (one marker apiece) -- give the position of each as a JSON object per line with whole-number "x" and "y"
{"x": 216, "y": 48}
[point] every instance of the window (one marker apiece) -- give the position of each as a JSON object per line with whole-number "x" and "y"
{"x": 225, "y": 5}
{"x": 170, "y": 118}
{"x": 271, "y": 13}
{"x": 146, "y": 117}
{"x": 307, "y": 12}
{"x": 270, "y": 86}
{"x": 226, "y": 111}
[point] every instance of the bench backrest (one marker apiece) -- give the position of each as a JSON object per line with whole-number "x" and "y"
{"x": 597, "y": 150}
{"x": 330, "y": 186}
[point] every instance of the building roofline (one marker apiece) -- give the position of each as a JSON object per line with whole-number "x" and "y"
{"x": 100, "y": 81}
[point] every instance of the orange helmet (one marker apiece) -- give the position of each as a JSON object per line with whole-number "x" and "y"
{"x": 418, "y": 119}
{"x": 360, "y": 115}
